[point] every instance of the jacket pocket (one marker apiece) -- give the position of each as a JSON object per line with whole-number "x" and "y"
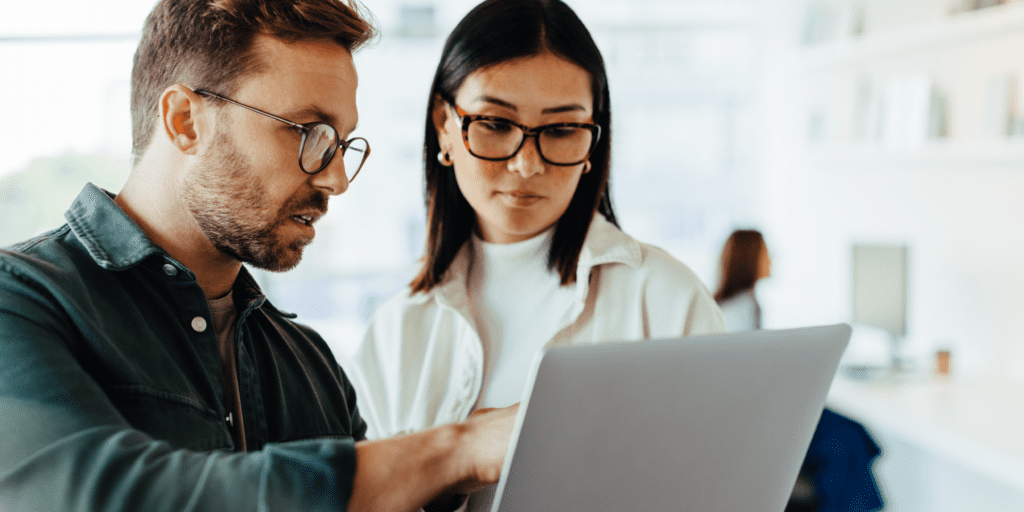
{"x": 180, "y": 420}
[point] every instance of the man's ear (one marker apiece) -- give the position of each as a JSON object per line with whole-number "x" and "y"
{"x": 180, "y": 119}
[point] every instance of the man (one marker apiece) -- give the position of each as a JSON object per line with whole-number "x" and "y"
{"x": 141, "y": 368}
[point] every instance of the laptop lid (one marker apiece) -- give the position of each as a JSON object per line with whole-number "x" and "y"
{"x": 702, "y": 423}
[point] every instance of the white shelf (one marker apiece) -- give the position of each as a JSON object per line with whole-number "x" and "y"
{"x": 955, "y": 30}
{"x": 956, "y": 155}
{"x": 977, "y": 425}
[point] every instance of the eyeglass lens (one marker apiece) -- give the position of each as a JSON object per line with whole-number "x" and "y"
{"x": 321, "y": 142}
{"x": 560, "y": 145}
{"x": 354, "y": 156}
{"x": 320, "y": 147}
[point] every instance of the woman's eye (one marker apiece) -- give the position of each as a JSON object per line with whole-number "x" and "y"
{"x": 561, "y": 132}
{"x": 496, "y": 126}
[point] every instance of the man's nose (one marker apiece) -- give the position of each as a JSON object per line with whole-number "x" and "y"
{"x": 333, "y": 179}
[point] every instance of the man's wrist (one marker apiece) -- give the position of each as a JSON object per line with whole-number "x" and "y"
{"x": 459, "y": 452}
{"x": 428, "y": 464}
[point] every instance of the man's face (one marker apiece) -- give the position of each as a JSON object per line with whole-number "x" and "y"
{"x": 246, "y": 191}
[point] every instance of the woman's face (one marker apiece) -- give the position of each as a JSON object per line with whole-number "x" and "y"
{"x": 764, "y": 263}
{"x": 517, "y": 198}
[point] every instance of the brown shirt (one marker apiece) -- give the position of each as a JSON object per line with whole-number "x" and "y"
{"x": 224, "y": 315}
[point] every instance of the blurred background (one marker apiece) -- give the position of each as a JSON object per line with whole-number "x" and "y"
{"x": 685, "y": 80}
{"x": 837, "y": 128}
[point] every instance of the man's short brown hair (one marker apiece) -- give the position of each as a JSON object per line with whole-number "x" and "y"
{"x": 209, "y": 44}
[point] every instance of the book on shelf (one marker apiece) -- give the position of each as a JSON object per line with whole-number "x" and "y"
{"x": 867, "y": 119}
{"x": 913, "y": 110}
{"x": 819, "y": 23}
{"x": 902, "y": 115}
{"x": 961, "y": 6}
{"x": 826, "y": 21}
{"x": 1004, "y": 106}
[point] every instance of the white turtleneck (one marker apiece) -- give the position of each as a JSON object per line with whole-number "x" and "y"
{"x": 516, "y": 303}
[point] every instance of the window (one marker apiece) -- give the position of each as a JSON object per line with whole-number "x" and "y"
{"x": 683, "y": 75}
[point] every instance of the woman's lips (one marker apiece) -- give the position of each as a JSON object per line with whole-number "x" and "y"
{"x": 520, "y": 198}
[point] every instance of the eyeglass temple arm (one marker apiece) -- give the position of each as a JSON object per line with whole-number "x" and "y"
{"x": 455, "y": 110}
{"x": 204, "y": 92}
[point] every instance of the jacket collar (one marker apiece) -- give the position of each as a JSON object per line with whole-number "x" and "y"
{"x": 249, "y": 296}
{"x": 606, "y": 243}
{"x": 113, "y": 240}
{"x": 452, "y": 292}
{"x": 117, "y": 243}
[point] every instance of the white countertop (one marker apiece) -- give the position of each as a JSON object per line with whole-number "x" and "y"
{"x": 977, "y": 424}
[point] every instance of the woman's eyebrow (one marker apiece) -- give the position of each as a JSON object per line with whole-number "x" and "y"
{"x": 572, "y": 107}
{"x": 497, "y": 101}
{"x": 564, "y": 108}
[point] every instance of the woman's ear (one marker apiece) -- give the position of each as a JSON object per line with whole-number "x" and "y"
{"x": 442, "y": 112}
{"x": 180, "y": 119}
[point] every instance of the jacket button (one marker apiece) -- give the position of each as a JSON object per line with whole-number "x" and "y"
{"x": 170, "y": 270}
{"x": 199, "y": 324}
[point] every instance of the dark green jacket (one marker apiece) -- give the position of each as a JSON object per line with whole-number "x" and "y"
{"x": 110, "y": 399}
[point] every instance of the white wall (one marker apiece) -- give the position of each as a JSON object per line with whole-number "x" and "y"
{"x": 955, "y": 204}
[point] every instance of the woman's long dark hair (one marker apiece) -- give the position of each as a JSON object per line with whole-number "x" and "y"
{"x": 741, "y": 263}
{"x": 493, "y": 32}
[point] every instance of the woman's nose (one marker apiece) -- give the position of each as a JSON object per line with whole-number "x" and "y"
{"x": 527, "y": 161}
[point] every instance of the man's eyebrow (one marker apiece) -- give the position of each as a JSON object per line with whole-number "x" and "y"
{"x": 311, "y": 112}
{"x": 572, "y": 107}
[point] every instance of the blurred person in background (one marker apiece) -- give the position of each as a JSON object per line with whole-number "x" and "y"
{"x": 141, "y": 366}
{"x": 744, "y": 261}
{"x": 836, "y": 474}
{"x": 523, "y": 248}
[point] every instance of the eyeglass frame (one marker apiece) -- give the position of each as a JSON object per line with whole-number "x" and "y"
{"x": 304, "y": 129}
{"x": 466, "y": 118}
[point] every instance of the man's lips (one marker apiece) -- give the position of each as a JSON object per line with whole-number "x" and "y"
{"x": 307, "y": 210}
{"x": 307, "y": 218}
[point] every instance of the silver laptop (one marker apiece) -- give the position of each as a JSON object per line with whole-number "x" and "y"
{"x": 709, "y": 423}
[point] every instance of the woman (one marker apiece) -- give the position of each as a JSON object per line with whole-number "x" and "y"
{"x": 516, "y": 259}
{"x": 745, "y": 260}
{"x": 836, "y": 473}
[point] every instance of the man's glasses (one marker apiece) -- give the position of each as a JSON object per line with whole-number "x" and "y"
{"x": 496, "y": 138}
{"x": 319, "y": 144}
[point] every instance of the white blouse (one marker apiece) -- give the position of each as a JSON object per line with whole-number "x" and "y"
{"x": 421, "y": 361}
{"x": 516, "y": 303}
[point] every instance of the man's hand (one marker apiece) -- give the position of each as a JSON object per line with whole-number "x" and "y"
{"x": 405, "y": 472}
{"x": 486, "y": 436}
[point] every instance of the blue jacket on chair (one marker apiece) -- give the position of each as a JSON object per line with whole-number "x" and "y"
{"x": 838, "y": 466}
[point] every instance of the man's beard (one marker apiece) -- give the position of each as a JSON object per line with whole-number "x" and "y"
{"x": 229, "y": 204}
